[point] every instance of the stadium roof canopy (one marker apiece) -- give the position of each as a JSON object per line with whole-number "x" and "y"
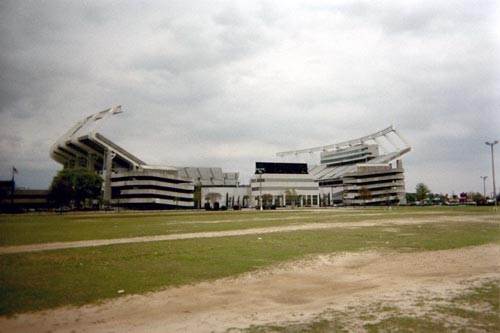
{"x": 392, "y": 146}
{"x": 84, "y": 145}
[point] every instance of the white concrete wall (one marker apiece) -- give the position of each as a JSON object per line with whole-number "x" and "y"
{"x": 278, "y": 184}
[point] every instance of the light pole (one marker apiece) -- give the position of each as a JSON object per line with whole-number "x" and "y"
{"x": 491, "y": 144}
{"x": 484, "y": 186}
{"x": 260, "y": 171}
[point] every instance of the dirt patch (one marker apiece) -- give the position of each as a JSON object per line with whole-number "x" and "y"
{"x": 292, "y": 292}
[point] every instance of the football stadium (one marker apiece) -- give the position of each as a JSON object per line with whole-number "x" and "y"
{"x": 363, "y": 171}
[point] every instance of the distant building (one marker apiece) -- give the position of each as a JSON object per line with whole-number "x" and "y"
{"x": 6, "y": 195}
{"x": 17, "y": 200}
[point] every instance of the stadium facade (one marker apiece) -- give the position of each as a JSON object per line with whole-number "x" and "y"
{"x": 129, "y": 181}
{"x": 367, "y": 170}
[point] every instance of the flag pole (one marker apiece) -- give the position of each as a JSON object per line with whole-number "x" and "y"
{"x": 13, "y": 184}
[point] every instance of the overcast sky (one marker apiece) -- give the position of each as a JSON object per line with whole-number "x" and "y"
{"x": 229, "y": 83}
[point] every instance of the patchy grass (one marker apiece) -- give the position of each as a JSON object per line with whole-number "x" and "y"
{"x": 320, "y": 326}
{"x": 44, "y": 228}
{"x": 478, "y": 306}
{"x": 406, "y": 325}
{"x": 35, "y": 281}
{"x": 33, "y": 229}
{"x": 474, "y": 310}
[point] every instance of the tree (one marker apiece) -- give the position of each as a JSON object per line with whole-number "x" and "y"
{"x": 292, "y": 196}
{"x": 422, "y": 191}
{"x": 266, "y": 198}
{"x": 197, "y": 196}
{"x": 410, "y": 197}
{"x": 74, "y": 187}
{"x": 463, "y": 197}
{"x": 478, "y": 198}
{"x": 212, "y": 197}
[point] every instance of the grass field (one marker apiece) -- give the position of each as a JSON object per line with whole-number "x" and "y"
{"x": 43, "y": 228}
{"x": 48, "y": 279}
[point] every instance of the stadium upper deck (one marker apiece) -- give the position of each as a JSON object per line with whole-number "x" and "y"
{"x": 347, "y": 169}
{"x": 129, "y": 181}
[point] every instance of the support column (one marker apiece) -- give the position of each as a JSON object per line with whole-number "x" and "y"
{"x": 108, "y": 166}
{"x": 90, "y": 161}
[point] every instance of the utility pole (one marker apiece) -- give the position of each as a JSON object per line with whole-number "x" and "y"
{"x": 491, "y": 144}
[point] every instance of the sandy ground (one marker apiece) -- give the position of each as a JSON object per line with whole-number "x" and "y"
{"x": 293, "y": 292}
{"x": 253, "y": 231}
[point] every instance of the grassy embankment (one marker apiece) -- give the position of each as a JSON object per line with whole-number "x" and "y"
{"x": 34, "y": 281}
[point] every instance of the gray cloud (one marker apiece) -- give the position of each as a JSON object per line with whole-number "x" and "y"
{"x": 229, "y": 83}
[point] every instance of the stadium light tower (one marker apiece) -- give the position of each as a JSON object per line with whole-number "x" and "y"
{"x": 491, "y": 144}
{"x": 484, "y": 185}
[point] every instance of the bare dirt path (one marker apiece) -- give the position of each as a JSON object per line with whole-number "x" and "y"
{"x": 293, "y": 292}
{"x": 241, "y": 232}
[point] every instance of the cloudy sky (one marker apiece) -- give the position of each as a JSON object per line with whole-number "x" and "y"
{"x": 228, "y": 83}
